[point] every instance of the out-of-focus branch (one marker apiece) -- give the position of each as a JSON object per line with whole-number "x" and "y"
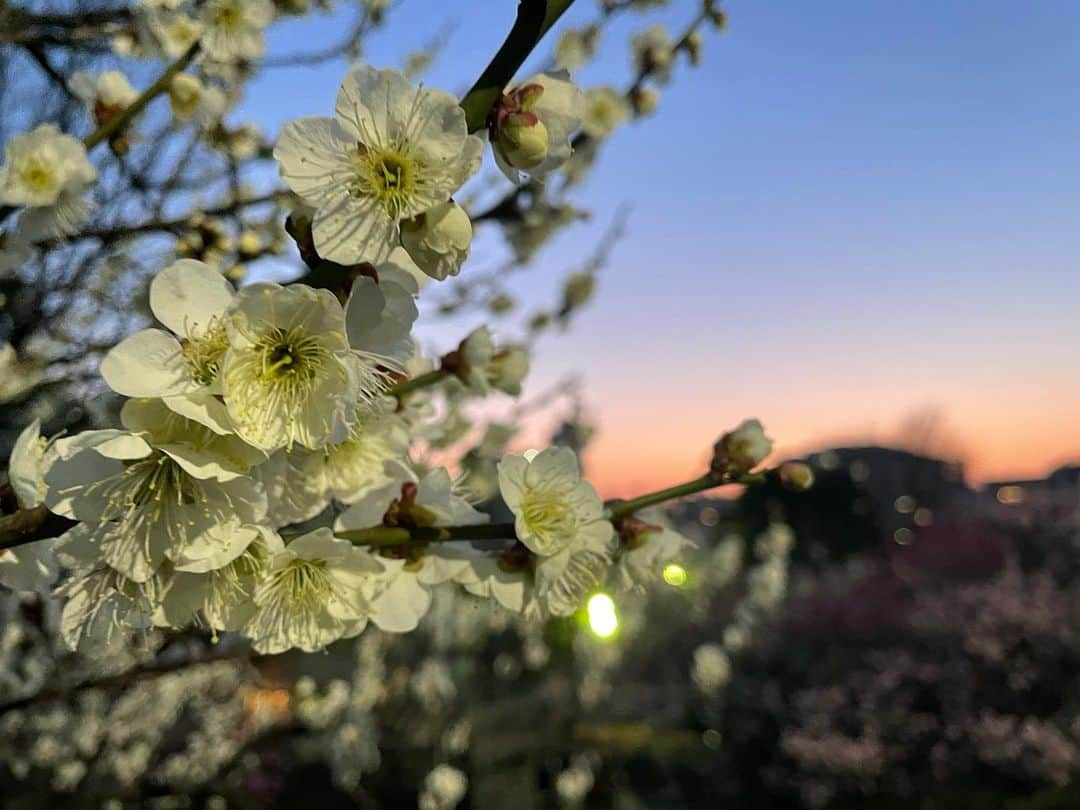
{"x": 118, "y": 232}
{"x": 225, "y": 652}
{"x": 121, "y": 120}
{"x": 346, "y": 44}
{"x": 20, "y": 27}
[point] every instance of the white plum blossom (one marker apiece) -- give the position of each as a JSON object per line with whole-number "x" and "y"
{"x": 191, "y": 299}
{"x": 507, "y": 578}
{"x": 408, "y": 499}
{"x": 219, "y": 592}
{"x": 40, "y": 165}
{"x": 27, "y": 465}
{"x": 288, "y": 376}
{"x": 554, "y": 507}
{"x": 16, "y": 376}
{"x": 559, "y": 517}
{"x": 645, "y": 101}
{"x": 574, "y": 783}
{"x": 653, "y": 51}
{"x": 438, "y": 240}
{"x": 49, "y": 173}
{"x": 411, "y": 501}
{"x": 234, "y": 29}
{"x": 103, "y": 95}
{"x": 647, "y": 544}
{"x": 381, "y": 311}
{"x": 165, "y": 30}
{"x": 295, "y": 490}
{"x": 314, "y": 592}
{"x": 191, "y": 100}
{"x": 532, "y": 125}
{"x": 577, "y": 47}
{"x": 393, "y": 151}
{"x": 444, "y": 788}
{"x": 101, "y": 606}
{"x": 31, "y": 566}
{"x": 605, "y": 110}
{"x": 483, "y": 367}
{"x": 300, "y": 483}
{"x": 354, "y": 467}
{"x": 474, "y": 354}
{"x": 144, "y": 502}
{"x": 507, "y": 369}
{"x": 711, "y": 669}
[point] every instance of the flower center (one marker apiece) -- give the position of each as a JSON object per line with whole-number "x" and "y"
{"x": 203, "y": 355}
{"x": 37, "y": 176}
{"x": 152, "y": 495}
{"x": 234, "y": 582}
{"x": 389, "y": 176}
{"x": 228, "y": 16}
{"x": 549, "y": 517}
{"x": 291, "y": 357}
{"x": 302, "y": 586}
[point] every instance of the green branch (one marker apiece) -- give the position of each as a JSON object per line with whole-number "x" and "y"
{"x": 30, "y": 525}
{"x": 620, "y": 509}
{"x": 406, "y": 387}
{"x": 534, "y": 19}
{"x": 399, "y": 535}
{"x": 121, "y": 119}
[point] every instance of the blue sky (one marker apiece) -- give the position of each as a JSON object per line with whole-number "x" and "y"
{"x": 850, "y": 211}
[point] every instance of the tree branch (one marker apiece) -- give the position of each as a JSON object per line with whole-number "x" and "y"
{"x": 534, "y": 18}
{"x": 31, "y": 525}
{"x": 121, "y": 120}
{"x": 507, "y": 208}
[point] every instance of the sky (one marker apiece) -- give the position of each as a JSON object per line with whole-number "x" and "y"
{"x": 852, "y": 215}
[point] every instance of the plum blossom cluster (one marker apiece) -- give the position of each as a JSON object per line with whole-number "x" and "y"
{"x": 381, "y": 174}
{"x": 265, "y": 478}
{"x": 261, "y": 480}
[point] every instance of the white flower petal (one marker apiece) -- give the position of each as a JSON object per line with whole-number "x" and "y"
{"x": 149, "y": 363}
{"x": 187, "y": 295}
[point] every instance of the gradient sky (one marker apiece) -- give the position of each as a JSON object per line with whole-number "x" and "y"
{"x": 852, "y": 212}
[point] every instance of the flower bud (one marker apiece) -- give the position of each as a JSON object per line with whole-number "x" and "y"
{"x": 531, "y": 125}
{"x": 645, "y": 101}
{"x": 740, "y": 450}
{"x": 523, "y": 141}
{"x": 577, "y": 290}
{"x": 438, "y": 240}
{"x": 501, "y": 304}
{"x": 797, "y": 476}
{"x": 693, "y": 47}
{"x": 482, "y": 366}
{"x": 576, "y": 47}
{"x": 185, "y": 96}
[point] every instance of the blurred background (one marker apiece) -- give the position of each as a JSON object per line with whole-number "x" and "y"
{"x": 855, "y": 221}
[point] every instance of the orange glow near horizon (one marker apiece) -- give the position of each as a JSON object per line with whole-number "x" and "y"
{"x": 634, "y": 453}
